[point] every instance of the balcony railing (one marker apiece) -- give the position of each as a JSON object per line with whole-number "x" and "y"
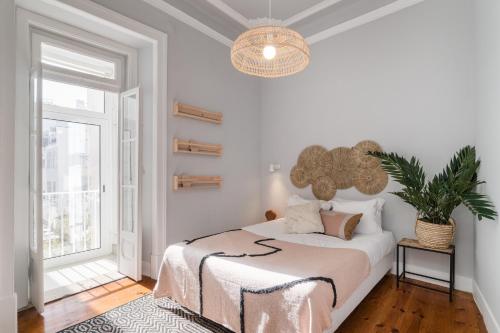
{"x": 71, "y": 222}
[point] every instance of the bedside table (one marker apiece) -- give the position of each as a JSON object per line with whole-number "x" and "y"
{"x": 414, "y": 244}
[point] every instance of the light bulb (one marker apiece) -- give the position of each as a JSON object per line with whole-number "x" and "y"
{"x": 269, "y": 52}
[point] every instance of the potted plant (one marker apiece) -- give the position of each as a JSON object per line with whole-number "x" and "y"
{"x": 435, "y": 200}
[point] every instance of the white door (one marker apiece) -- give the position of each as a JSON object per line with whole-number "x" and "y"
{"x": 36, "y": 214}
{"x": 130, "y": 231}
{"x": 76, "y": 164}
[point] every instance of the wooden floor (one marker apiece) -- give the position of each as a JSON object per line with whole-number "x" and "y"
{"x": 77, "y": 308}
{"x": 385, "y": 309}
{"x": 412, "y": 309}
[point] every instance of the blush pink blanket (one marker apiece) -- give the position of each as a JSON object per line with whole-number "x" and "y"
{"x": 248, "y": 283}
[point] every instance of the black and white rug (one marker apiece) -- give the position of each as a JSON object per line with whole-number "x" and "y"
{"x": 147, "y": 315}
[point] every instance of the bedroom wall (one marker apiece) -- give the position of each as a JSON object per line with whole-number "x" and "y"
{"x": 200, "y": 73}
{"x": 487, "y": 233}
{"x": 405, "y": 81}
{"x": 7, "y": 107}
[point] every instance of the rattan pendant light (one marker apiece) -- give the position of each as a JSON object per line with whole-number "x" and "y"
{"x": 270, "y": 50}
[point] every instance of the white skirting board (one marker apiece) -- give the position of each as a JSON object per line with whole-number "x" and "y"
{"x": 156, "y": 261}
{"x": 462, "y": 283}
{"x": 8, "y": 314}
{"x": 489, "y": 319}
{"x": 151, "y": 268}
{"x": 146, "y": 268}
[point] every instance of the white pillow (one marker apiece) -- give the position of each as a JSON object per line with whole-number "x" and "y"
{"x": 304, "y": 218}
{"x": 380, "y": 206}
{"x": 371, "y": 221}
{"x": 298, "y": 200}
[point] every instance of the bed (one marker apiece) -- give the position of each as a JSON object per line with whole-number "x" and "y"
{"x": 262, "y": 279}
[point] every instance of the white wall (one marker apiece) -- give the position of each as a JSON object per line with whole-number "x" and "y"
{"x": 487, "y": 233}
{"x": 405, "y": 81}
{"x": 200, "y": 73}
{"x": 7, "y": 104}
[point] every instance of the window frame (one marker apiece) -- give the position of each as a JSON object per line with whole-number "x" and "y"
{"x": 69, "y": 76}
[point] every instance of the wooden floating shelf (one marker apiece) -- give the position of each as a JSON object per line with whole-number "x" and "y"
{"x": 197, "y": 148}
{"x": 194, "y": 112}
{"x": 192, "y": 182}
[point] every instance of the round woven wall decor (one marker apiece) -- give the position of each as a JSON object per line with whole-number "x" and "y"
{"x": 316, "y": 161}
{"x": 317, "y": 172}
{"x": 371, "y": 181}
{"x": 339, "y": 168}
{"x": 343, "y": 167}
{"x": 312, "y": 157}
{"x": 299, "y": 177}
{"x": 324, "y": 188}
{"x": 364, "y": 161}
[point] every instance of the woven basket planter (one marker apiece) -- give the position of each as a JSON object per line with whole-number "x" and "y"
{"x": 436, "y": 236}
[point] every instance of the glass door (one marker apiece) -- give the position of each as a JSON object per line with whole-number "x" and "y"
{"x": 130, "y": 257}
{"x": 71, "y": 159}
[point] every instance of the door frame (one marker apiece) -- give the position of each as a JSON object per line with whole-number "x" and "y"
{"x": 74, "y": 19}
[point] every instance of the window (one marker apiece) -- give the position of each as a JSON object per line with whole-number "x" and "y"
{"x": 66, "y": 95}
{"x": 73, "y": 63}
{"x": 66, "y": 59}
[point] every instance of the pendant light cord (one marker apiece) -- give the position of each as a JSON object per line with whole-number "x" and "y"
{"x": 270, "y": 10}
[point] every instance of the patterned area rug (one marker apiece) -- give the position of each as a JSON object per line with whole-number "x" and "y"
{"x": 147, "y": 315}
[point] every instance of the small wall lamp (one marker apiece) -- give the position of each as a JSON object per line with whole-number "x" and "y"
{"x": 274, "y": 167}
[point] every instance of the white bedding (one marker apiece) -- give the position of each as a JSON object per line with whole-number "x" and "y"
{"x": 376, "y": 246}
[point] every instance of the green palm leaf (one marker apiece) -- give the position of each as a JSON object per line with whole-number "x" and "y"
{"x": 479, "y": 205}
{"x": 436, "y": 199}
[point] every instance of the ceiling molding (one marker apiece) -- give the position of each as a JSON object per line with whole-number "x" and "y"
{"x": 247, "y": 22}
{"x": 310, "y": 11}
{"x": 362, "y": 20}
{"x": 192, "y": 22}
{"x": 325, "y": 34}
{"x": 229, "y": 11}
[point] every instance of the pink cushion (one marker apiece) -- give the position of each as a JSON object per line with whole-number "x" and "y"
{"x": 339, "y": 224}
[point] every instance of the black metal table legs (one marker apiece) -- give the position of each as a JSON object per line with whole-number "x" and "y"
{"x": 400, "y": 277}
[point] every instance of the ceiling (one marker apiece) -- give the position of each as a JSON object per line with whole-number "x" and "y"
{"x": 281, "y": 9}
{"x": 314, "y": 19}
